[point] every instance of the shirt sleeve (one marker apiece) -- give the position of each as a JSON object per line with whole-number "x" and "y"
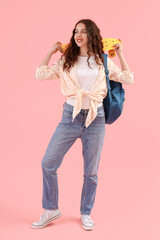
{"x": 48, "y": 73}
{"x": 117, "y": 75}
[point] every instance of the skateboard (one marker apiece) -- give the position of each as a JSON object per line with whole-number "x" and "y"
{"x": 107, "y": 46}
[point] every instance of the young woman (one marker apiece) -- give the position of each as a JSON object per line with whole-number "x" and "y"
{"x": 83, "y": 81}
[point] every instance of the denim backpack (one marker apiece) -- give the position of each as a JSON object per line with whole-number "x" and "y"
{"x": 113, "y": 102}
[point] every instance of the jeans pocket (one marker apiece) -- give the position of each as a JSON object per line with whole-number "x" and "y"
{"x": 67, "y": 113}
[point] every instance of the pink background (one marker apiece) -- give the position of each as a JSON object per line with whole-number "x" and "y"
{"x": 127, "y": 205}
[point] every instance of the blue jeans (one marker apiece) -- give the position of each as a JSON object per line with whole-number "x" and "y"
{"x": 65, "y": 135}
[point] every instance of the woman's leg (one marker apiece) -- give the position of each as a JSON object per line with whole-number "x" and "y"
{"x": 63, "y": 138}
{"x": 92, "y": 142}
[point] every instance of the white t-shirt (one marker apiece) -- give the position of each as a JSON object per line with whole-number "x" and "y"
{"x": 86, "y": 78}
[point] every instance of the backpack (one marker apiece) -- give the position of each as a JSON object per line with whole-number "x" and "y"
{"x": 113, "y": 102}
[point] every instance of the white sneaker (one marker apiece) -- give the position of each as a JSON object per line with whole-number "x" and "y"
{"x": 47, "y": 217}
{"x": 87, "y": 222}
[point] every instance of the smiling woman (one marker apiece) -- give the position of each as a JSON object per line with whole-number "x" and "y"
{"x": 90, "y": 44}
{"x": 83, "y": 82}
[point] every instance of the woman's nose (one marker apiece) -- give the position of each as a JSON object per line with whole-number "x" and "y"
{"x": 78, "y": 34}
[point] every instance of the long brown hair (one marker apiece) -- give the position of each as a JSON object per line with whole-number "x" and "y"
{"x": 94, "y": 44}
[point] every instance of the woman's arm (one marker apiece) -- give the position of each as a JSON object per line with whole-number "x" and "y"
{"x": 46, "y": 59}
{"x": 53, "y": 50}
{"x": 43, "y": 72}
{"x": 48, "y": 73}
{"x": 124, "y": 65}
{"x": 115, "y": 73}
{"x": 118, "y": 48}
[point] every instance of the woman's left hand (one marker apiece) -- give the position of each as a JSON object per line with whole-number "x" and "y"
{"x": 118, "y": 48}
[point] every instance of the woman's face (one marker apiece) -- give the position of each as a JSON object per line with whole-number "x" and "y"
{"x": 81, "y": 33}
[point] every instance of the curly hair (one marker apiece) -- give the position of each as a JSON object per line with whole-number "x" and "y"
{"x": 94, "y": 44}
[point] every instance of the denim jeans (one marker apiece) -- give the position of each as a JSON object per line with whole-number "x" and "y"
{"x": 63, "y": 138}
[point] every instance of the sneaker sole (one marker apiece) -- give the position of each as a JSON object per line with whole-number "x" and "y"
{"x": 46, "y": 223}
{"x": 88, "y": 227}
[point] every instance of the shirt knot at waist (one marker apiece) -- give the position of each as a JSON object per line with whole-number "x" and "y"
{"x": 82, "y": 91}
{"x": 78, "y": 105}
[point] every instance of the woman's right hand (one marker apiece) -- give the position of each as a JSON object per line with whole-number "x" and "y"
{"x": 56, "y": 47}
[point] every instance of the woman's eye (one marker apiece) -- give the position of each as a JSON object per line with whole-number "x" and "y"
{"x": 82, "y": 32}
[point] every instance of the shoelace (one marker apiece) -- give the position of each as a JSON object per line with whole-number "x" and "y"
{"x": 89, "y": 219}
{"x": 42, "y": 215}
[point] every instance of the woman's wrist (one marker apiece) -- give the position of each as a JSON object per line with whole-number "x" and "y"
{"x": 120, "y": 54}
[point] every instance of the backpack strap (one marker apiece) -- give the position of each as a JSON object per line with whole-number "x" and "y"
{"x": 105, "y": 55}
